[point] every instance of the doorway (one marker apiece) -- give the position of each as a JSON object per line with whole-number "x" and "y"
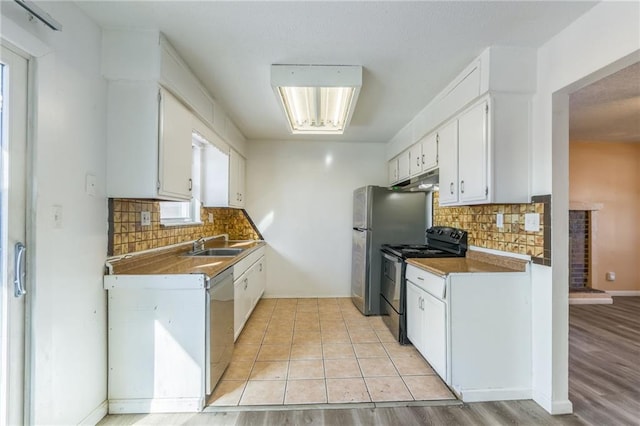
{"x": 13, "y": 208}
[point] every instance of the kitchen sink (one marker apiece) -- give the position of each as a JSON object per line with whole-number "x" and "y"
{"x": 216, "y": 252}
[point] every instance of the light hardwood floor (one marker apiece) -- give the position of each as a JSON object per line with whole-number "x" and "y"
{"x": 604, "y": 386}
{"x": 604, "y": 362}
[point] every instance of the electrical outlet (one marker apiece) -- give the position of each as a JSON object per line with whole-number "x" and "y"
{"x": 145, "y": 218}
{"x": 532, "y": 222}
{"x": 500, "y": 220}
{"x": 210, "y": 217}
{"x": 611, "y": 276}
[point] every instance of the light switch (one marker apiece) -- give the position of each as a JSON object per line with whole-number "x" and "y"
{"x": 56, "y": 216}
{"x": 500, "y": 220}
{"x": 145, "y": 218}
{"x": 532, "y": 222}
{"x": 90, "y": 185}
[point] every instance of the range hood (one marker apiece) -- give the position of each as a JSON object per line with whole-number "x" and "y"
{"x": 426, "y": 182}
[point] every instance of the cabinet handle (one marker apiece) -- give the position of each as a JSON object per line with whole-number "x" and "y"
{"x": 462, "y": 186}
{"x": 423, "y": 159}
{"x": 421, "y": 279}
{"x": 418, "y": 161}
{"x": 246, "y": 283}
{"x": 261, "y": 267}
{"x": 451, "y": 188}
{"x": 190, "y": 184}
{"x": 240, "y": 196}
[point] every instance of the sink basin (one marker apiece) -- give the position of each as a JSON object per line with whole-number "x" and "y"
{"x": 217, "y": 252}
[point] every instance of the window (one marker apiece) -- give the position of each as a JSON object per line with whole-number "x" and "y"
{"x": 173, "y": 213}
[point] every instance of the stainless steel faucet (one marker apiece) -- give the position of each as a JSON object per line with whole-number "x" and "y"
{"x": 198, "y": 245}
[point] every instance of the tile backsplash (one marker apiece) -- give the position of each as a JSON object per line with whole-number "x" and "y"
{"x": 480, "y": 222}
{"x": 127, "y": 235}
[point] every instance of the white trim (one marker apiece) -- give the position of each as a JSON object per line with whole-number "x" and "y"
{"x": 624, "y": 292}
{"x": 96, "y": 415}
{"x": 478, "y": 395}
{"x": 561, "y": 407}
{"x": 590, "y": 300}
{"x": 157, "y": 405}
{"x": 501, "y": 253}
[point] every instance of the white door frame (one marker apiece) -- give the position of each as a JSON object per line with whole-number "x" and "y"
{"x": 14, "y": 332}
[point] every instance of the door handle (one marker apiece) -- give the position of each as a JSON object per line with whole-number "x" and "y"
{"x": 451, "y": 188}
{"x": 462, "y": 186}
{"x": 423, "y": 159}
{"x": 19, "y": 270}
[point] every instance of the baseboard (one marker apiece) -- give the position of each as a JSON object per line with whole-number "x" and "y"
{"x": 561, "y": 407}
{"x": 157, "y": 405}
{"x": 624, "y": 292}
{"x": 553, "y": 407}
{"x": 590, "y": 301}
{"x": 479, "y": 395}
{"x": 96, "y": 415}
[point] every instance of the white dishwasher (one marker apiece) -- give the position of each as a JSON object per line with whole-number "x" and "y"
{"x": 170, "y": 340}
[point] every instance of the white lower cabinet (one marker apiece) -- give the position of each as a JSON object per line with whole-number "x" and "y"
{"x": 250, "y": 278}
{"x": 474, "y": 329}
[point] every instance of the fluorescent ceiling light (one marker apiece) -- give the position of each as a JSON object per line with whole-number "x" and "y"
{"x": 317, "y": 99}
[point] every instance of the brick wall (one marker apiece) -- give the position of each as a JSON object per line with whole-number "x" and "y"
{"x": 578, "y": 248}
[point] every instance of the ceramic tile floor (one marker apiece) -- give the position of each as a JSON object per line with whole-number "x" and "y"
{"x": 315, "y": 351}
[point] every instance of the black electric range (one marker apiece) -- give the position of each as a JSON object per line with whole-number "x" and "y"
{"x": 441, "y": 242}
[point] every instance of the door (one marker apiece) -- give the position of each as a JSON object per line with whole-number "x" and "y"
{"x": 448, "y": 160}
{"x": 430, "y": 152}
{"x": 473, "y": 149}
{"x": 174, "y": 163}
{"x": 435, "y": 335}
{"x": 360, "y": 269}
{"x": 362, "y": 200}
{"x": 13, "y": 165}
{"x": 415, "y": 321}
{"x": 415, "y": 159}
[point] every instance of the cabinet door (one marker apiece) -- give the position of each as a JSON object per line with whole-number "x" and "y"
{"x": 403, "y": 166}
{"x": 435, "y": 337}
{"x": 415, "y": 328}
{"x": 174, "y": 162}
{"x": 415, "y": 159}
{"x": 393, "y": 171}
{"x": 448, "y": 160}
{"x": 236, "y": 179}
{"x": 241, "y": 303}
{"x": 473, "y": 154}
{"x": 261, "y": 279}
{"x": 429, "y": 158}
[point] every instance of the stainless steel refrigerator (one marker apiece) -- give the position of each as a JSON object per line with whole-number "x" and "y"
{"x": 381, "y": 216}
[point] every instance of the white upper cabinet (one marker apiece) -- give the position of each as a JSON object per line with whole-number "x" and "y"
{"x": 148, "y": 132}
{"x": 472, "y": 154}
{"x": 175, "y": 155}
{"x": 415, "y": 159}
{"x": 448, "y": 160}
{"x": 490, "y": 163}
{"x": 237, "y": 165}
{"x": 404, "y": 165}
{"x": 149, "y": 143}
{"x": 392, "y": 171}
{"x": 429, "y": 145}
{"x": 488, "y": 107}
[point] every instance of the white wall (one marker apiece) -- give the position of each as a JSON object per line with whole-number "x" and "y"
{"x": 69, "y": 381}
{"x": 299, "y": 194}
{"x": 602, "y": 41}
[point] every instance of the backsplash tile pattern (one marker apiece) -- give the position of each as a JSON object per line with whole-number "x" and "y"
{"x": 480, "y": 222}
{"x": 127, "y": 235}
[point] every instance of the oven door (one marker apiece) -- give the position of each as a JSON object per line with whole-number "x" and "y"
{"x": 391, "y": 281}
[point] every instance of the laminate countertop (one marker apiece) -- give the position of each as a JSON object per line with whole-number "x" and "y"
{"x": 175, "y": 261}
{"x": 474, "y": 262}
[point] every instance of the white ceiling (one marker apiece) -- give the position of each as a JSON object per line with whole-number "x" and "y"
{"x": 607, "y": 110}
{"x": 409, "y": 50}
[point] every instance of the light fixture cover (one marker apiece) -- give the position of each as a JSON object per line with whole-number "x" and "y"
{"x": 317, "y": 99}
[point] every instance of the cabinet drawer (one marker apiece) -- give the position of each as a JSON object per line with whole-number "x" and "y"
{"x": 428, "y": 282}
{"x": 243, "y": 265}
